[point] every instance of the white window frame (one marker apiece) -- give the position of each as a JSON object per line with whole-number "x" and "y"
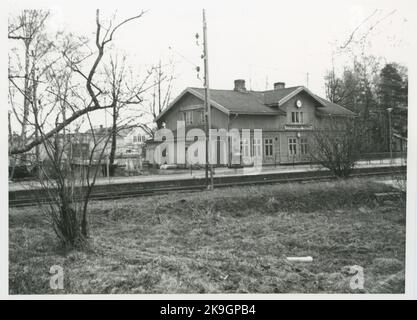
{"x": 137, "y": 138}
{"x": 188, "y": 117}
{"x": 256, "y": 147}
{"x": 297, "y": 117}
{"x": 202, "y": 117}
{"x": 292, "y": 146}
{"x": 269, "y": 147}
{"x": 245, "y": 147}
{"x": 303, "y": 145}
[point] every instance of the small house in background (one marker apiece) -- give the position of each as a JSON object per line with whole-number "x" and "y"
{"x": 129, "y": 146}
{"x": 133, "y": 141}
{"x": 129, "y": 140}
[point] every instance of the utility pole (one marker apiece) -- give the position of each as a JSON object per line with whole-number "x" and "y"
{"x": 307, "y": 76}
{"x": 390, "y": 133}
{"x": 210, "y": 185}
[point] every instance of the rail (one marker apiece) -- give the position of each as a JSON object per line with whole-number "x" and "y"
{"x": 128, "y": 190}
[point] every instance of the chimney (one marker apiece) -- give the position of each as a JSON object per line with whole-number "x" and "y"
{"x": 240, "y": 85}
{"x": 279, "y": 85}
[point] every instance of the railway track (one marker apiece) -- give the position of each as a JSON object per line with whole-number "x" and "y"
{"x": 24, "y": 198}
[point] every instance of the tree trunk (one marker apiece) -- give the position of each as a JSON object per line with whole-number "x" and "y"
{"x": 84, "y": 224}
{"x": 113, "y": 143}
{"x": 36, "y": 114}
{"x": 12, "y": 160}
{"x": 25, "y": 103}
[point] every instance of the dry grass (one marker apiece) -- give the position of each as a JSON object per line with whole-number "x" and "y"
{"x": 230, "y": 241}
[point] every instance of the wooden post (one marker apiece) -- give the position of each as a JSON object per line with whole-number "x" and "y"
{"x": 209, "y": 167}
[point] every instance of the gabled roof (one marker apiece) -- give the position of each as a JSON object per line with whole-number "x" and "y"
{"x": 258, "y": 102}
{"x": 330, "y": 108}
{"x": 195, "y": 93}
{"x": 272, "y": 97}
{"x": 249, "y": 102}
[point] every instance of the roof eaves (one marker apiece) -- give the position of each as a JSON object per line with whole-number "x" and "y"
{"x": 212, "y": 102}
{"x": 289, "y": 96}
{"x": 195, "y": 93}
{"x": 163, "y": 112}
{"x": 258, "y": 113}
{"x": 297, "y": 91}
{"x": 329, "y": 114}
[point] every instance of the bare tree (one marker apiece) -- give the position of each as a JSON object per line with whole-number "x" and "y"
{"x": 67, "y": 182}
{"x": 356, "y": 86}
{"x": 359, "y": 36}
{"x": 163, "y": 76}
{"x": 123, "y": 86}
{"x": 58, "y": 94}
{"x": 28, "y": 27}
{"x": 337, "y": 145}
{"x": 104, "y": 35}
{"x": 44, "y": 92}
{"x": 162, "y": 87}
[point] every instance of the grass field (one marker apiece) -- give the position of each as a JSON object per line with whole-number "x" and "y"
{"x": 232, "y": 240}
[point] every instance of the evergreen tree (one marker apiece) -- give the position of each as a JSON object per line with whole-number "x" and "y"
{"x": 391, "y": 87}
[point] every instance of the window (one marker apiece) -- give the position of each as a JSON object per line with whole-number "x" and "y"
{"x": 138, "y": 139}
{"x": 303, "y": 146}
{"x": 202, "y": 117}
{"x": 256, "y": 147}
{"x": 293, "y": 117}
{"x": 245, "y": 147}
{"x": 297, "y": 117}
{"x": 268, "y": 142}
{"x": 292, "y": 146}
{"x": 80, "y": 149}
{"x": 188, "y": 117}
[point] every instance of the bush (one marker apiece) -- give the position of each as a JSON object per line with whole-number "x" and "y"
{"x": 338, "y": 146}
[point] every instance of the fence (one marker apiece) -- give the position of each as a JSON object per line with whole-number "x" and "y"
{"x": 397, "y": 157}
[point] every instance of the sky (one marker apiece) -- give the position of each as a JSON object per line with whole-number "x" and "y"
{"x": 260, "y": 41}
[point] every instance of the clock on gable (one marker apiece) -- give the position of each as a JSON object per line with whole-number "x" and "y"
{"x": 298, "y": 103}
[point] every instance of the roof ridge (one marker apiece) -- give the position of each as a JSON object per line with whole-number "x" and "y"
{"x": 275, "y": 90}
{"x": 248, "y": 91}
{"x": 257, "y": 102}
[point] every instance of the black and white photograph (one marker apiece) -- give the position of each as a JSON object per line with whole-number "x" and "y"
{"x": 220, "y": 149}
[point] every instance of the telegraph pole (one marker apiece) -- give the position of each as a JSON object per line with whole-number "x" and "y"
{"x": 390, "y": 133}
{"x": 210, "y": 185}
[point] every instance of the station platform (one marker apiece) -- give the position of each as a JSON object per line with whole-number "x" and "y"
{"x": 181, "y": 174}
